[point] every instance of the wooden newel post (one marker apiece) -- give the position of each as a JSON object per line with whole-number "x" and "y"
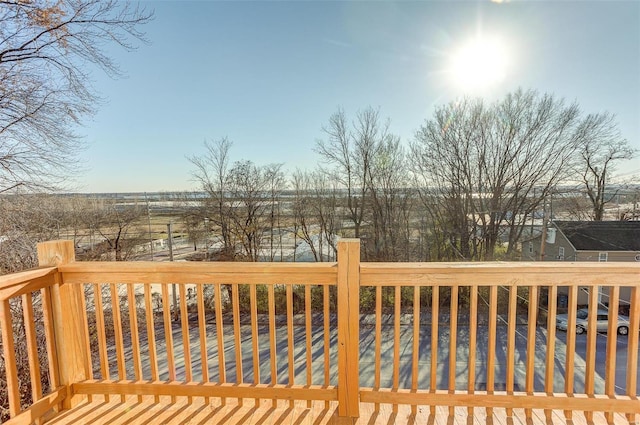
{"x": 349, "y": 328}
{"x": 70, "y": 337}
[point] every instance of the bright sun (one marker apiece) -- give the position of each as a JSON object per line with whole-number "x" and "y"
{"x": 481, "y": 63}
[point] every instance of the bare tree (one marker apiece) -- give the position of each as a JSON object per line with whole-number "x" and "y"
{"x": 367, "y": 161}
{"x": 601, "y": 149}
{"x": 276, "y": 184}
{"x": 249, "y": 191}
{"x": 193, "y": 215}
{"x": 389, "y": 201}
{"x": 119, "y": 228}
{"x": 44, "y": 90}
{"x": 485, "y": 169}
{"x": 304, "y": 221}
{"x": 325, "y": 207}
{"x": 349, "y": 152}
{"x": 26, "y": 220}
{"x": 212, "y": 173}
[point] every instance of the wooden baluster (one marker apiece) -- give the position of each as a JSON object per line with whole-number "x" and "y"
{"x": 186, "y": 345}
{"x": 52, "y": 356}
{"x": 273, "y": 355}
{"x": 222, "y": 371}
{"x": 135, "y": 337}
{"x": 473, "y": 329}
{"x": 511, "y": 342}
{"x": 571, "y": 345}
{"x": 168, "y": 334}
{"x": 290, "y": 348}
{"x": 151, "y": 336}
{"x": 592, "y": 334}
{"x": 491, "y": 349}
{"x": 9, "y": 352}
{"x": 612, "y": 342}
{"x": 85, "y": 325}
{"x": 376, "y": 379}
{"x": 551, "y": 343}
{"x": 453, "y": 345}
{"x": 119, "y": 340}
{"x": 32, "y": 346}
{"x": 416, "y": 344}
{"x": 237, "y": 337}
{"x": 101, "y": 331}
{"x": 327, "y": 334}
{"x": 397, "y": 300}
{"x": 435, "y": 307}
{"x": 202, "y": 332}
{"x": 531, "y": 344}
{"x": 253, "y": 305}
{"x": 307, "y": 313}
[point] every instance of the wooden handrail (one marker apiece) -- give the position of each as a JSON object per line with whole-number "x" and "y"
{"x": 18, "y": 284}
{"x": 197, "y": 273}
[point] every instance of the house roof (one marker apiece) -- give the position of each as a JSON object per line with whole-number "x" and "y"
{"x": 602, "y": 235}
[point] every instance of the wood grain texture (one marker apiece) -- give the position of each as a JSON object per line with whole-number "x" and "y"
{"x": 201, "y": 273}
{"x": 517, "y": 400}
{"x": 612, "y": 342}
{"x": 254, "y": 334}
{"x": 435, "y": 302}
{"x": 52, "y": 355}
{"x": 40, "y": 409}
{"x": 473, "y": 330}
{"x": 68, "y": 312}
{"x": 453, "y": 343}
{"x": 9, "y": 353}
{"x": 571, "y": 344}
{"x": 511, "y": 341}
{"x": 204, "y": 413}
{"x": 415, "y": 350}
{"x": 168, "y": 332}
{"x": 348, "y": 327}
{"x": 151, "y": 335}
{"x": 32, "y": 346}
{"x": 499, "y": 274}
{"x": 272, "y": 339}
{"x": 325, "y": 323}
{"x": 198, "y": 389}
{"x": 290, "y": 346}
{"x": 15, "y": 285}
{"x": 307, "y": 322}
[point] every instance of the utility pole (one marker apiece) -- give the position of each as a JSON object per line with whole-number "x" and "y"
{"x": 149, "y": 221}
{"x": 173, "y": 286}
{"x": 543, "y": 239}
{"x": 206, "y": 237}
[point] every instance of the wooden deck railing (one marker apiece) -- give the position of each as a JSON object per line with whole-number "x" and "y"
{"x": 481, "y": 335}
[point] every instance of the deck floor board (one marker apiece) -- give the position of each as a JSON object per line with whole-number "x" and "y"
{"x": 146, "y": 412}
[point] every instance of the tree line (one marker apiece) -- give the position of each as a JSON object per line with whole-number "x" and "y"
{"x": 465, "y": 188}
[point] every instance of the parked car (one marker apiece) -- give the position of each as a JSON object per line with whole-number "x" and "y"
{"x": 602, "y": 322}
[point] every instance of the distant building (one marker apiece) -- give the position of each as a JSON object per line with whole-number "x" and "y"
{"x": 617, "y": 241}
{"x": 587, "y": 241}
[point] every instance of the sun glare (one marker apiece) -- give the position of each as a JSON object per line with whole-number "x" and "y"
{"x": 481, "y": 63}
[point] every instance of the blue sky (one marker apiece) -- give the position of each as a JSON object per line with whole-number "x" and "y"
{"x": 269, "y": 74}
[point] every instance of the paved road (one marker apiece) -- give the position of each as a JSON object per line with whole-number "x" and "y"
{"x": 367, "y": 363}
